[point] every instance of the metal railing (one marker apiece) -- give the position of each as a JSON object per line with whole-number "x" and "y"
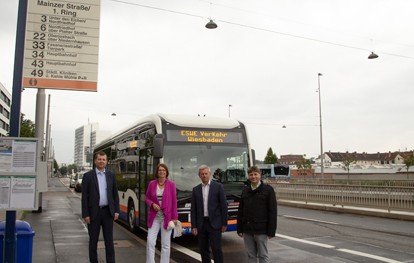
{"x": 396, "y": 198}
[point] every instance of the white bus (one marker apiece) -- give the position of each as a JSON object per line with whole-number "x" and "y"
{"x": 274, "y": 171}
{"x": 183, "y": 143}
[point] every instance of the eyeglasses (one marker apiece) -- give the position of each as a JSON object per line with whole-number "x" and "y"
{"x": 162, "y": 170}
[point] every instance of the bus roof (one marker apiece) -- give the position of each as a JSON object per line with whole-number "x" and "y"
{"x": 179, "y": 120}
{"x": 200, "y": 121}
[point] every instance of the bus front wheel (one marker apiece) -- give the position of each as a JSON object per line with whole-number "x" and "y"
{"x": 131, "y": 217}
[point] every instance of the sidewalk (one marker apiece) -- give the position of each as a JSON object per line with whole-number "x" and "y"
{"x": 61, "y": 236}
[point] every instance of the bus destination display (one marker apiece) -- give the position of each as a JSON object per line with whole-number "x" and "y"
{"x": 200, "y": 136}
{"x": 62, "y": 44}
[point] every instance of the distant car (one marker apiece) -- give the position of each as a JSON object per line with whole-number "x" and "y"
{"x": 78, "y": 183}
{"x": 73, "y": 177}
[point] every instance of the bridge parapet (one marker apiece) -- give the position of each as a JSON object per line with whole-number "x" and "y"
{"x": 388, "y": 199}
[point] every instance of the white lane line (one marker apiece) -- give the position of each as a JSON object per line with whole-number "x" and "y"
{"x": 388, "y": 260}
{"x": 139, "y": 240}
{"x": 186, "y": 251}
{"x": 305, "y": 241}
{"x": 362, "y": 254}
{"x": 310, "y": 219}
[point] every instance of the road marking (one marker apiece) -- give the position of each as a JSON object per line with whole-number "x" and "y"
{"x": 141, "y": 241}
{"x": 310, "y": 219}
{"x": 362, "y": 254}
{"x": 305, "y": 241}
{"x": 186, "y": 251}
{"x": 388, "y": 260}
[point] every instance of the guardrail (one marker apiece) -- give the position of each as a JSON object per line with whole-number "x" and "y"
{"x": 394, "y": 198}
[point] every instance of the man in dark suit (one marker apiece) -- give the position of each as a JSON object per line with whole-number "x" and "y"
{"x": 208, "y": 215}
{"x": 100, "y": 207}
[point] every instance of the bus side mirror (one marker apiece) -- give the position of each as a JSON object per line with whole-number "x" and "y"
{"x": 158, "y": 146}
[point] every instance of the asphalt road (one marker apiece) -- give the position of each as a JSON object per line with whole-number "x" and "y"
{"x": 305, "y": 235}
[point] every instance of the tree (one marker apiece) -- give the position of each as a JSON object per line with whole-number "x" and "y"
{"x": 63, "y": 170}
{"x": 347, "y": 161}
{"x": 304, "y": 165}
{"x": 409, "y": 162}
{"x": 27, "y": 127}
{"x": 270, "y": 158}
{"x": 73, "y": 167}
{"x": 55, "y": 166}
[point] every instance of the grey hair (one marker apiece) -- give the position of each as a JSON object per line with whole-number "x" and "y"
{"x": 202, "y": 167}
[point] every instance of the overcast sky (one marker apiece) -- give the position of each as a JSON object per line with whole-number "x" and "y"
{"x": 263, "y": 59}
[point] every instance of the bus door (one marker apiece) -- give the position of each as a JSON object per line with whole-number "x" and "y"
{"x": 145, "y": 175}
{"x": 142, "y": 207}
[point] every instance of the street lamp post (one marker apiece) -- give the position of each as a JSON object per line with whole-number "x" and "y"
{"x": 320, "y": 124}
{"x": 229, "y": 109}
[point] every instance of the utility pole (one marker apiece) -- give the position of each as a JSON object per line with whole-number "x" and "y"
{"x": 320, "y": 125}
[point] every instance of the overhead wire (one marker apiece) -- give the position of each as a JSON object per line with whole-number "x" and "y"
{"x": 157, "y": 8}
{"x": 298, "y": 22}
{"x": 310, "y": 39}
{"x": 261, "y": 29}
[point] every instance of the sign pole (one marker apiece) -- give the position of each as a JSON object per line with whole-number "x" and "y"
{"x": 10, "y": 234}
{"x": 40, "y": 130}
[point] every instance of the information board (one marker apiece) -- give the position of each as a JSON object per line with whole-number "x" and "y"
{"x": 18, "y": 173}
{"x": 62, "y": 44}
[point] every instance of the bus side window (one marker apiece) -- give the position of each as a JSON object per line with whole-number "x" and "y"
{"x": 113, "y": 166}
{"x": 122, "y": 166}
{"x": 131, "y": 166}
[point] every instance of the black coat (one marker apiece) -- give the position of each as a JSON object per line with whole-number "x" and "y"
{"x": 258, "y": 211}
{"x": 90, "y": 194}
{"x": 217, "y": 206}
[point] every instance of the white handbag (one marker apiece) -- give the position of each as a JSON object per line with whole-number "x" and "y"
{"x": 178, "y": 230}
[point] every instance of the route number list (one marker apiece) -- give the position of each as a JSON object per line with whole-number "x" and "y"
{"x": 62, "y": 45}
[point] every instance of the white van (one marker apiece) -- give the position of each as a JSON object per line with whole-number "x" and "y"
{"x": 73, "y": 177}
{"x": 78, "y": 183}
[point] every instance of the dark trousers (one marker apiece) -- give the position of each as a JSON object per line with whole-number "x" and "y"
{"x": 105, "y": 220}
{"x": 208, "y": 236}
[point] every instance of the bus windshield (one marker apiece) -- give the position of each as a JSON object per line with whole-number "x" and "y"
{"x": 228, "y": 165}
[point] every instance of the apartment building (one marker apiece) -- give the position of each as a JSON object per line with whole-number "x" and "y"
{"x": 5, "y": 110}
{"x": 366, "y": 159}
{"x": 86, "y": 137}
